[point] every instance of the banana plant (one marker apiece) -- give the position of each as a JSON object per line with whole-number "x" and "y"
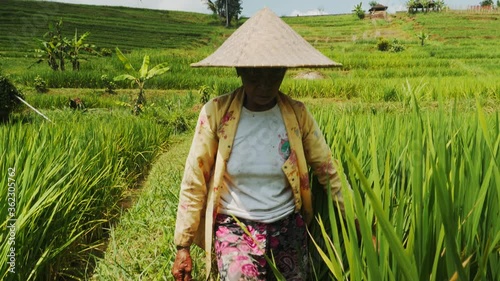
{"x": 358, "y": 11}
{"x": 53, "y": 47}
{"x": 56, "y": 49}
{"x": 422, "y": 36}
{"x": 76, "y": 45}
{"x": 139, "y": 78}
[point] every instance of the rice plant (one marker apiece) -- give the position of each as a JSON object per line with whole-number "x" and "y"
{"x": 430, "y": 180}
{"x": 69, "y": 178}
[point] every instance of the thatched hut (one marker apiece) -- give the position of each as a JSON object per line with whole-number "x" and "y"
{"x": 378, "y": 11}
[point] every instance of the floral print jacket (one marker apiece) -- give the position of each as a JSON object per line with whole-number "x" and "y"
{"x": 210, "y": 149}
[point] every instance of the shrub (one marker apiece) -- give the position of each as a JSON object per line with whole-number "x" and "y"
{"x": 390, "y": 94}
{"x": 8, "y": 100}
{"x": 109, "y": 85}
{"x": 205, "y": 94}
{"x": 40, "y": 85}
{"x": 383, "y": 44}
{"x": 105, "y": 52}
{"x": 396, "y": 46}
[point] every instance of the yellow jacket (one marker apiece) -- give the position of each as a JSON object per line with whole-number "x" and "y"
{"x": 210, "y": 149}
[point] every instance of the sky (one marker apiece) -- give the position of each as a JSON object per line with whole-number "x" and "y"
{"x": 280, "y": 7}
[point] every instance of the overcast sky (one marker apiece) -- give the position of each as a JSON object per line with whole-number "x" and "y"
{"x": 280, "y": 7}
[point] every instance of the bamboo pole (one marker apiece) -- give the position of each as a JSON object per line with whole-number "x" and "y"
{"x": 36, "y": 110}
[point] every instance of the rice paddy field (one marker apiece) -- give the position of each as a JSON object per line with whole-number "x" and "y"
{"x": 92, "y": 195}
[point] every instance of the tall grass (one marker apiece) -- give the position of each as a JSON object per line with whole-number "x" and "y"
{"x": 430, "y": 180}
{"x": 70, "y": 177}
{"x": 141, "y": 246}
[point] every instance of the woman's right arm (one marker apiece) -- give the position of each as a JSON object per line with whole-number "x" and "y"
{"x": 193, "y": 192}
{"x": 197, "y": 173}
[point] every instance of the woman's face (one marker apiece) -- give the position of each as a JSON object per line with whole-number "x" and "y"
{"x": 261, "y": 86}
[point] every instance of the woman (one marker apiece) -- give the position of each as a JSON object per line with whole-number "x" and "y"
{"x": 245, "y": 193}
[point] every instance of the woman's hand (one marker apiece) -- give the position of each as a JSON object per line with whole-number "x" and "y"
{"x": 183, "y": 265}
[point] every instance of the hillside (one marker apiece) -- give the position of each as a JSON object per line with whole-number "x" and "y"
{"x": 23, "y": 21}
{"x": 460, "y": 57}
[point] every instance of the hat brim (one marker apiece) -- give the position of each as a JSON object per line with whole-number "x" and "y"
{"x": 265, "y": 40}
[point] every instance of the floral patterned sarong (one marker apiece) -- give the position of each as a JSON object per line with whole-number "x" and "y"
{"x": 242, "y": 257}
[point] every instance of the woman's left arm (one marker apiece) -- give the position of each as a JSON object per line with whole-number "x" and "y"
{"x": 319, "y": 156}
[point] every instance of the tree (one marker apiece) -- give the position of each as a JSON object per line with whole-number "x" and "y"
{"x": 226, "y": 10}
{"x": 373, "y": 3}
{"x": 55, "y": 49}
{"x": 139, "y": 77}
{"x": 486, "y": 3}
{"x": 211, "y": 6}
{"x": 425, "y": 5}
{"x": 439, "y": 5}
{"x": 358, "y": 11}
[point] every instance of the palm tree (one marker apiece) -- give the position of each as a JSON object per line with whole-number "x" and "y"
{"x": 226, "y": 10}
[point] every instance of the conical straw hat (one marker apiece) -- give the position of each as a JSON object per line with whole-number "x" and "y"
{"x": 265, "y": 40}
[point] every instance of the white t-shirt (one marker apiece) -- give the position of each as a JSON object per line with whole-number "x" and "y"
{"x": 257, "y": 188}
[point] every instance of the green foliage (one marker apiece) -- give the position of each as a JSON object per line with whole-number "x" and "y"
{"x": 435, "y": 208}
{"x": 53, "y": 51}
{"x": 424, "y": 5}
{"x": 350, "y": 42}
{"x": 40, "y": 85}
{"x": 105, "y": 52}
{"x": 132, "y": 254}
{"x": 139, "y": 77}
{"x": 383, "y": 44}
{"x": 358, "y": 11}
{"x": 373, "y": 3}
{"x": 76, "y": 46}
{"x": 422, "y": 36}
{"x": 109, "y": 85}
{"x": 485, "y": 3}
{"x": 178, "y": 122}
{"x": 226, "y": 10}
{"x": 69, "y": 180}
{"x": 206, "y": 93}
{"x": 57, "y": 49}
{"x": 8, "y": 101}
{"x": 396, "y": 46}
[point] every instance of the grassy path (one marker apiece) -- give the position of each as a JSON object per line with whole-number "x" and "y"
{"x": 141, "y": 245}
